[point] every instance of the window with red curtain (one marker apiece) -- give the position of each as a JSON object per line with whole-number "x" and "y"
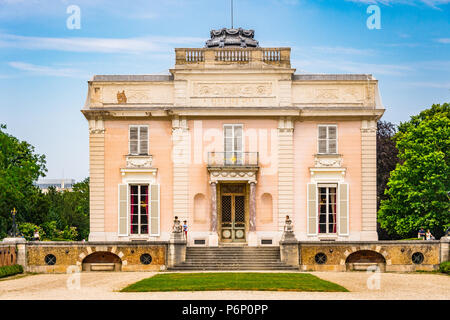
{"x": 139, "y": 209}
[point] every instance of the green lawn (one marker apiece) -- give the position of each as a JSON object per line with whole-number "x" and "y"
{"x": 234, "y": 281}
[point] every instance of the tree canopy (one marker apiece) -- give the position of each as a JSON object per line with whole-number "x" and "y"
{"x": 20, "y": 166}
{"x": 418, "y": 189}
{"x": 58, "y": 215}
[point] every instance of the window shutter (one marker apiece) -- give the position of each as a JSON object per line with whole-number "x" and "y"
{"x": 332, "y": 142}
{"x": 123, "y": 209}
{"x": 143, "y": 140}
{"x": 154, "y": 210}
{"x": 343, "y": 209}
{"x": 322, "y": 139}
{"x": 312, "y": 208}
{"x": 134, "y": 140}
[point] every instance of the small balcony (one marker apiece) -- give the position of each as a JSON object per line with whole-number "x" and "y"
{"x": 233, "y": 159}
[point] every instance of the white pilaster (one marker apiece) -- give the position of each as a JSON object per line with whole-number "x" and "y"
{"x": 97, "y": 179}
{"x": 180, "y": 158}
{"x": 369, "y": 180}
{"x": 285, "y": 170}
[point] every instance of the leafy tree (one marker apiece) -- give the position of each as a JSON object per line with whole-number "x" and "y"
{"x": 417, "y": 193}
{"x": 387, "y": 156}
{"x": 57, "y": 215}
{"x": 386, "y": 161}
{"x": 75, "y": 211}
{"x": 28, "y": 229}
{"x": 20, "y": 166}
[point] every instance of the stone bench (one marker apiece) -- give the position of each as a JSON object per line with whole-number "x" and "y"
{"x": 102, "y": 267}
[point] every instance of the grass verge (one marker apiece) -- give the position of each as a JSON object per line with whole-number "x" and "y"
{"x": 7, "y": 271}
{"x": 234, "y": 281}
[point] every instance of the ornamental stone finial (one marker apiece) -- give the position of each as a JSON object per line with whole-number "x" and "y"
{"x": 225, "y": 37}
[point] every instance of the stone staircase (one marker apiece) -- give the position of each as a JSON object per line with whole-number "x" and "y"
{"x": 232, "y": 258}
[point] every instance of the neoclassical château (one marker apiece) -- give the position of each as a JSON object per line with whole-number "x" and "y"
{"x": 233, "y": 141}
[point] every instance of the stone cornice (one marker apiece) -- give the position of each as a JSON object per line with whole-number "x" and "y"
{"x": 115, "y": 111}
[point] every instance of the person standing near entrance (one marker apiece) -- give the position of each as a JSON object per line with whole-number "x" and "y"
{"x": 185, "y": 228}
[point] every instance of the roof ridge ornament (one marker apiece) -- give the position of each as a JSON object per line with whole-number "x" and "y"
{"x": 231, "y": 37}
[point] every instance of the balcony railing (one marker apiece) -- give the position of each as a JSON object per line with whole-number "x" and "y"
{"x": 203, "y": 57}
{"x": 232, "y": 159}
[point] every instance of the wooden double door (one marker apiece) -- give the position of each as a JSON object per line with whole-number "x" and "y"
{"x": 233, "y": 212}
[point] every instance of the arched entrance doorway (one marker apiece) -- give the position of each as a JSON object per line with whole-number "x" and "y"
{"x": 363, "y": 259}
{"x": 102, "y": 261}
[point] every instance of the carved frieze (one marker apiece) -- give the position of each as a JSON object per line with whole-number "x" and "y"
{"x": 242, "y": 89}
{"x": 137, "y": 94}
{"x": 351, "y": 94}
{"x": 139, "y": 161}
{"x": 328, "y": 161}
{"x": 235, "y": 174}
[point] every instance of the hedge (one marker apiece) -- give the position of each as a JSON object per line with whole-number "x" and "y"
{"x": 7, "y": 271}
{"x": 444, "y": 267}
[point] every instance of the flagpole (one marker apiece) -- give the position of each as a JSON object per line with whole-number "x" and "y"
{"x": 231, "y": 14}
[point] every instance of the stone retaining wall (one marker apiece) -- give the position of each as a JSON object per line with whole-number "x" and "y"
{"x": 63, "y": 257}
{"x": 68, "y": 254}
{"x": 7, "y": 255}
{"x": 398, "y": 255}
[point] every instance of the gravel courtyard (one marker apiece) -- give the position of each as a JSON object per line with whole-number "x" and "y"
{"x": 101, "y": 285}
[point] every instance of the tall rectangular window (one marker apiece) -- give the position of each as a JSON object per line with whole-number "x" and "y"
{"x": 327, "y": 142}
{"x": 138, "y": 140}
{"x": 327, "y": 208}
{"x": 233, "y": 143}
{"x": 139, "y": 209}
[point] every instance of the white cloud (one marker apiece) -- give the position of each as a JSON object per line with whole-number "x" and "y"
{"x": 444, "y": 40}
{"x": 344, "y": 50}
{"x": 101, "y": 45}
{"x": 437, "y": 85}
{"x": 47, "y": 71}
{"x": 331, "y": 66}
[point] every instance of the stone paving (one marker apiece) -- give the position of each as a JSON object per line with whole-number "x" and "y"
{"x": 105, "y": 285}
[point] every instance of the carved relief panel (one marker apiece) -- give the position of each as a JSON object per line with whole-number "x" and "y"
{"x": 323, "y": 94}
{"x": 138, "y": 94}
{"x": 232, "y": 94}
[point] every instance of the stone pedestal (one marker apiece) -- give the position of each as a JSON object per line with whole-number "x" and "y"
{"x": 444, "y": 249}
{"x": 289, "y": 252}
{"x": 177, "y": 249}
{"x": 21, "y": 253}
{"x": 213, "y": 239}
{"x": 252, "y": 239}
{"x": 14, "y": 240}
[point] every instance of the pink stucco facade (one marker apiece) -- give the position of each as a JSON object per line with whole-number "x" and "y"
{"x": 233, "y": 149}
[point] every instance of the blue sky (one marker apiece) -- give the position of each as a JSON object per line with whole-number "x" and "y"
{"x": 44, "y": 66}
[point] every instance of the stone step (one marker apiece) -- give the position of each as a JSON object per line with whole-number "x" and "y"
{"x": 232, "y": 258}
{"x": 231, "y": 265}
{"x": 231, "y": 255}
{"x": 190, "y": 268}
{"x": 233, "y": 248}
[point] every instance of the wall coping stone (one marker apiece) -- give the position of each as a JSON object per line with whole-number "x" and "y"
{"x": 95, "y": 243}
{"x": 382, "y": 242}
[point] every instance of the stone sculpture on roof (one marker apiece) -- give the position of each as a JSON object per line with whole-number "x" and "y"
{"x": 232, "y": 38}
